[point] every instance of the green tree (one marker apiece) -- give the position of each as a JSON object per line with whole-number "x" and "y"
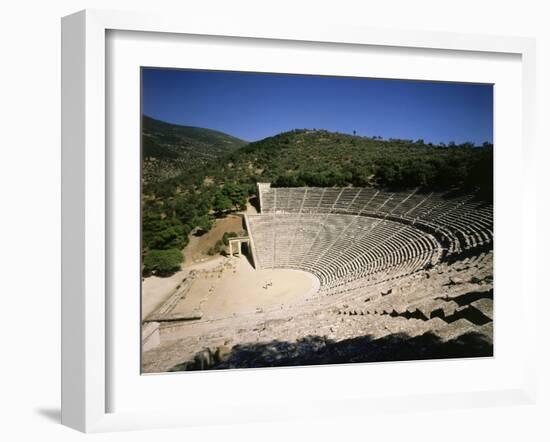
{"x": 161, "y": 233}
{"x": 222, "y": 203}
{"x": 204, "y": 223}
{"x": 236, "y": 193}
{"x": 162, "y": 262}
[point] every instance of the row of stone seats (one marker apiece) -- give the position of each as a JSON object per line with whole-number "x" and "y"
{"x": 477, "y": 311}
{"x": 338, "y": 248}
{"x": 462, "y": 222}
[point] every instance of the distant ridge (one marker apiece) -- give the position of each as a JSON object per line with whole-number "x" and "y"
{"x": 171, "y": 149}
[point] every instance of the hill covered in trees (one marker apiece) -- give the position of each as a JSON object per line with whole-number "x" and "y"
{"x": 170, "y": 149}
{"x": 209, "y": 178}
{"x": 321, "y": 158}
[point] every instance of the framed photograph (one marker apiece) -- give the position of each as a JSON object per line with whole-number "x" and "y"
{"x": 266, "y": 245}
{"x": 274, "y": 222}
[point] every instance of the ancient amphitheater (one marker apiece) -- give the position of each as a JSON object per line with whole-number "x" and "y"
{"x": 384, "y": 276}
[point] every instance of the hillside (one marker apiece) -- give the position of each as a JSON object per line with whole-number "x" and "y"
{"x": 217, "y": 183}
{"x": 321, "y": 158}
{"x": 170, "y": 149}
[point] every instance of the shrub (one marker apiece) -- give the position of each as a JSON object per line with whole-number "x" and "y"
{"x": 216, "y": 248}
{"x": 228, "y": 235}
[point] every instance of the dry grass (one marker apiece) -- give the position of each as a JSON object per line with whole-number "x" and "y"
{"x": 196, "y": 250}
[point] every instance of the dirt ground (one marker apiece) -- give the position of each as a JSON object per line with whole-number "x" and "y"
{"x": 221, "y": 291}
{"x": 156, "y": 290}
{"x": 196, "y": 250}
{"x": 243, "y": 290}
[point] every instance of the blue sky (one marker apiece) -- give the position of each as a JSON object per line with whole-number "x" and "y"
{"x": 253, "y": 106}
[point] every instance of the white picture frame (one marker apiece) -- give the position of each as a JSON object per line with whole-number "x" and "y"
{"x": 86, "y": 316}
